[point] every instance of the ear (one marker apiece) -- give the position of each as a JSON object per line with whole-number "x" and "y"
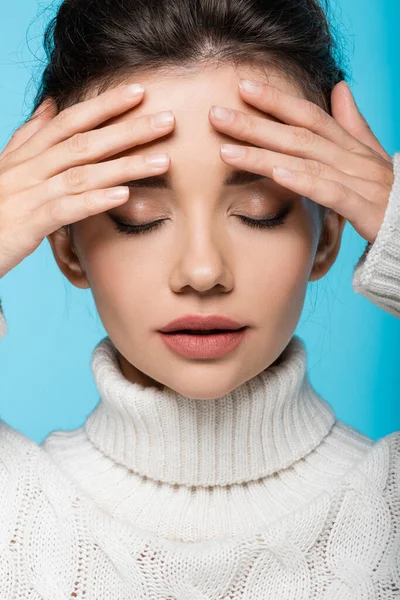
{"x": 329, "y": 244}
{"x": 66, "y": 257}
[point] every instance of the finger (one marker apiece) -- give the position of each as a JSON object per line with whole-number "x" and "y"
{"x": 78, "y": 118}
{"x": 262, "y": 161}
{"x": 45, "y": 112}
{"x": 92, "y": 146}
{"x": 334, "y": 195}
{"x": 79, "y": 180}
{"x": 70, "y": 209}
{"x": 346, "y": 112}
{"x": 302, "y": 113}
{"x": 295, "y": 141}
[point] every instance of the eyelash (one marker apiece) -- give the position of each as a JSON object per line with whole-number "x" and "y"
{"x": 270, "y": 223}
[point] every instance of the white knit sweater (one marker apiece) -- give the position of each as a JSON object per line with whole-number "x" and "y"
{"x": 258, "y": 495}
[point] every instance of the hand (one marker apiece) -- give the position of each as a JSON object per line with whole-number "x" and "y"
{"x": 45, "y": 181}
{"x": 335, "y": 161}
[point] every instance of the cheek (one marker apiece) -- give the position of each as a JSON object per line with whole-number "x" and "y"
{"x": 120, "y": 279}
{"x": 123, "y": 284}
{"x": 270, "y": 271}
{"x": 279, "y": 281}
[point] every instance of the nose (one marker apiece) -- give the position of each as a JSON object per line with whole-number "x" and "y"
{"x": 203, "y": 260}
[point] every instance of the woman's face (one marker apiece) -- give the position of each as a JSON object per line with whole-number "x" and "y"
{"x": 203, "y": 259}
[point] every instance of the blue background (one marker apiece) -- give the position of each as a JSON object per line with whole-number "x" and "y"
{"x": 353, "y": 346}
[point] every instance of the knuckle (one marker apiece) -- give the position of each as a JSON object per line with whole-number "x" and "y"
{"x": 131, "y": 164}
{"x": 132, "y": 125}
{"x": 21, "y": 131}
{"x": 64, "y": 120}
{"x": 7, "y": 178}
{"x": 386, "y": 176}
{"x": 7, "y": 161}
{"x": 382, "y": 195}
{"x": 252, "y": 126}
{"x": 273, "y": 94}
{"x": 16, "y": 135}
{"x": 256, "y": 158}
{"x": 303, "y": 136}
{"x": 55, "y": 211}
{"x": 75, "y": 179}
{"x": 312, "y": 185}
{"x": 313, "y": 167}
{"x": 388, "y": 180}
{"x": 78, "y": 144}
{"x": 341, "y": 193}
{"x": 138, "y": 128}
{"x": 89, "y": 201}
{"x": 378, "y": 171}
{"x": 316, "y": 115}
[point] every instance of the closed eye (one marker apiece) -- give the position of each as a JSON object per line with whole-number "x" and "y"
{"x": 269, "y": 222}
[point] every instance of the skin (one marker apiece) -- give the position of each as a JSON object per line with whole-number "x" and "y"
{"x": 203, "y": 259}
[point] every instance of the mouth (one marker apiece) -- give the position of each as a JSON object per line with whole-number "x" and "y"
{"x": 204, "y": 343}
{"x": 194, "y": 324}
{"x": 203, "y": 331}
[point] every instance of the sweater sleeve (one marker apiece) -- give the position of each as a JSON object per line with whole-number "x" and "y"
{"x": 3, "y": 324}
{"x": 376, "y": 275}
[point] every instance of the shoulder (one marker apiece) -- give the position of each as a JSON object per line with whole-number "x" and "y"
{"x": 19, "y": 457}
{"x": 392, "y": 444}
{"x": 18, "y": 479}
{"x": 17, "y": 451}
{"x": 30, "y": 480}
{"x": 392, "y": 441}
{"x": 380, "y": 466}
{"x": 41, "y": 519}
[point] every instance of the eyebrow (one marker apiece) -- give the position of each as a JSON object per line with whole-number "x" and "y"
{"x": 236, "y": 177}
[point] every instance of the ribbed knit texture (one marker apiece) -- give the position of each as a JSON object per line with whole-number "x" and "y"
{"x": 261, "y": 494}
{"x": 376, "y": 275}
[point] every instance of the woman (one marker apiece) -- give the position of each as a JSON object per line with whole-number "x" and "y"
{"x": 210, "y": 468}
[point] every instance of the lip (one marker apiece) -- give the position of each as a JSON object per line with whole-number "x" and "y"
{"x": 209, "y": 345}
{"x": 201, "y": 322}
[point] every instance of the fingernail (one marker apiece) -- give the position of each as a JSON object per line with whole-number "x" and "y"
{"x": 282, "y": 173}
{"x": 158, "y": 160}
{"x": 232, "y": 151}
{"x": 163, "y": 119}
{"x": 134, "y": 89}
{"x": 253, "y": 87}
{"x": 117, "y": 193}
{"x": 348, "y": 91}
{"x": 222, "y": 114}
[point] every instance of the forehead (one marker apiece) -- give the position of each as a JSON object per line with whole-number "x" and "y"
{"x": 190, "y": 95}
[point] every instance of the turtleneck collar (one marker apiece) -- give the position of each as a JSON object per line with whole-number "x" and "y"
{"x": 263, "y": 426}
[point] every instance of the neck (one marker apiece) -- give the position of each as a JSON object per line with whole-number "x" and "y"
{"x": 200, "y": 469}
{"x": 262, "y": 426}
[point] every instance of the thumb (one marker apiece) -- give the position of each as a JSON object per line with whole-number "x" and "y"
{"x": 345, "y": 111}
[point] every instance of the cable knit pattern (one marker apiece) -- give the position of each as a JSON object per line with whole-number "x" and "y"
{"x": 376, "y": 275}
{"x": 261, "y": 494}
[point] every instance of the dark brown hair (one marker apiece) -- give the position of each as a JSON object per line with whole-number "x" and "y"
{"x": 97, "y": 44}
{"x": 102, "y": 43}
